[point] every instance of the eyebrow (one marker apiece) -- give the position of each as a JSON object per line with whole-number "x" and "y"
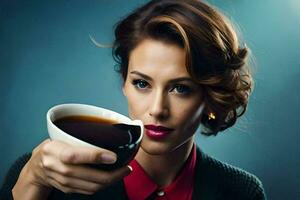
{"x": 171, "y": 81}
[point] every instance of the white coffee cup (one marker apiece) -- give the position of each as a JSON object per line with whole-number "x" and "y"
{"x": 65, "y": 110}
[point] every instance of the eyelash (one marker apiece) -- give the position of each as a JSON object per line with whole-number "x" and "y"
{"x": 137, "y": 82}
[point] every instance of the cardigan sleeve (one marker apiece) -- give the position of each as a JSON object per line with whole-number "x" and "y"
{"x": 12, "y": 177}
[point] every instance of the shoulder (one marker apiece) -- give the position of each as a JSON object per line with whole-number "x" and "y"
{"x": 233, "y": 182}
{"x": 13, "y": 175}
{"x": 15, "y": 169}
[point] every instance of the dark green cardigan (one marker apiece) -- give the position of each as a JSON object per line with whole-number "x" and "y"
{"x": 214, "y": 180}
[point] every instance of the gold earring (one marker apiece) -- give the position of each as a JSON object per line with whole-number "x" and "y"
{"x": 211, "y": 116}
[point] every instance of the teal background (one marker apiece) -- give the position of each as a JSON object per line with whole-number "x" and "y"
{"x": 47, "y": 58}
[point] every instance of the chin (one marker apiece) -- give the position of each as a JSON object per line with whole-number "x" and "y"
{"x": 159, "y": 148}
{"x": 156, "y": 148}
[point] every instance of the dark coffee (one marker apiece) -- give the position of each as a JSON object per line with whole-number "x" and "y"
{"x": 105, "y": 133}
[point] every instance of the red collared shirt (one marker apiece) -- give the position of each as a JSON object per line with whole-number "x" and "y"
{"x": 139, "y": 186}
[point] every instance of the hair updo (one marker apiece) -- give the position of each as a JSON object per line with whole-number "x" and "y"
{"x": 214, "y": 57}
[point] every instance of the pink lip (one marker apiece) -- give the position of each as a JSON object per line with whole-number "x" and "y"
{"x": 157, "y": 132}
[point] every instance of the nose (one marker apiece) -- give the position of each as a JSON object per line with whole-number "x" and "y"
{"x": 159, "y": 106}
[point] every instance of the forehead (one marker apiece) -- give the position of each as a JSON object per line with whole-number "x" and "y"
{"x": 159, "y": 59}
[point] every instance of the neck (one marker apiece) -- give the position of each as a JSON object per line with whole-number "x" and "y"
{"x": 169, "y": 164}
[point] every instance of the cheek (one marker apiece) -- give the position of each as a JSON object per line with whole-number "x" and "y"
{"x": 187, "y": 114}
{"x": 136, "y": 104}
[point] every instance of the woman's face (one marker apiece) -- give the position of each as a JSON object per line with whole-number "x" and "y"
{"x": 160, "y": 92}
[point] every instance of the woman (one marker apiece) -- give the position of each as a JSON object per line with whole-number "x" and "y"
{"x": 182, "y": 66}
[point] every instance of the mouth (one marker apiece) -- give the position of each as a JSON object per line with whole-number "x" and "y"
{"x": 157, "y": 132}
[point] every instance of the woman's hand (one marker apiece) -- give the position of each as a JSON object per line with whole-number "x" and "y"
{"x": 60, "y": 165}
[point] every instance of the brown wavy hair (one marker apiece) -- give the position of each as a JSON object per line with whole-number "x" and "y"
{"x": 214, "y": 57}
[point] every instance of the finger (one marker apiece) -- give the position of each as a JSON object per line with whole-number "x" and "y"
{"x": 84, "y": 155}
{"x": 78, "y": 154}
{"x": 64, "y": 189}
{"x": 74, "y": 183}
{"x": 118, "y": 173}
{"x": 103, "y": 177}
{"x": 85, "y": 172}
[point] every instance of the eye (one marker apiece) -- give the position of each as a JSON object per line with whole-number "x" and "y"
{"x": 140, "y": 84}
{"x": 182, "y": 89}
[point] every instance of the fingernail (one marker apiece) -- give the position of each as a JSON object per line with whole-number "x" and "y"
{"x": 108, "y": 158}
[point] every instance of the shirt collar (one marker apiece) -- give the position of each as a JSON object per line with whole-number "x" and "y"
{"x": 139, "y": 186}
